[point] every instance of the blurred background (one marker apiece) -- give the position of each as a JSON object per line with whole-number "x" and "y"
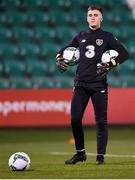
{"x": 33, "y": 93}
{"x": 32, "y": 32}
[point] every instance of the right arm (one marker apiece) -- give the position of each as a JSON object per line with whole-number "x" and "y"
{"x": 74, "y": 43}
{"x": 59, "y": 58}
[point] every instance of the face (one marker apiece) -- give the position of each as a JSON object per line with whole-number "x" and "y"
{"x": 94, "y": 19}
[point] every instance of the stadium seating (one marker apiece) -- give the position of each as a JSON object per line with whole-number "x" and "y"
{"x": 65, "y": 83}
{"x": 43, "y": 83}
{"x": 4, "y": 83}
{"x": 1, "y": 69}
{"x": 20, "y": 83}
{"x": 14, "y": 68}
{"x": 33, "y": 31}
{"x": 36, "y": 68}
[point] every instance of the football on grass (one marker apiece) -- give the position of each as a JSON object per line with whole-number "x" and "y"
{"x": 71, "y": 55}
{"x": 109, "y": 55}
{"x": 19, "y": 161}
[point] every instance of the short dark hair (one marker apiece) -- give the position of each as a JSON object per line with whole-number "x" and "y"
{"x": 95, "y": 8}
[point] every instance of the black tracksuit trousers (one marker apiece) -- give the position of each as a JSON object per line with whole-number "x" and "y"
{"x": 99, "y": 97}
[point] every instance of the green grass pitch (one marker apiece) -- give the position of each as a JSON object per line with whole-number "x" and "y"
{"x": 49, "y": 148}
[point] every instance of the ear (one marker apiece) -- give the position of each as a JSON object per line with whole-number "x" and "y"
{"x": 101, "y": 18}
{"x": 87, "y": 19}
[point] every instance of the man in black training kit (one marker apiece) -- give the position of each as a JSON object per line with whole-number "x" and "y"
{"x": 91, "y": 82}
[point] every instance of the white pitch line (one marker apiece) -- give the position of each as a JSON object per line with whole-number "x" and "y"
{"x": 93, "y": 154}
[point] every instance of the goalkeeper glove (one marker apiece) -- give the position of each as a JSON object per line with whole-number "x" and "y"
{"x": 61, "y": 64}
{"x": 103, "y": 68}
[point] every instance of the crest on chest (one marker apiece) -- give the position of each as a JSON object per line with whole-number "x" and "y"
{"x": 99, "y": 42}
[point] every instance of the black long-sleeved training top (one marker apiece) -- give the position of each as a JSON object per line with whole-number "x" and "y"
{"x": 92, "y": 44}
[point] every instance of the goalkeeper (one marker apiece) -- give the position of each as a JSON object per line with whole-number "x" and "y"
{"x": 91, "y": 82}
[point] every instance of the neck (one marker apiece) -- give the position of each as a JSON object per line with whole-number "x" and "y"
{"x": 94, "y": 27}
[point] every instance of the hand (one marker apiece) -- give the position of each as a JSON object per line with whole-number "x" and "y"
{"x": 103, "y": 68}
{"x": 60, "y": 62}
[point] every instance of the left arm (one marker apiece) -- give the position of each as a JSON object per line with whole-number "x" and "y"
{"x": 62, "y": 65}
{"x": 116, "y": 45}
{"x": 103, "y": 68}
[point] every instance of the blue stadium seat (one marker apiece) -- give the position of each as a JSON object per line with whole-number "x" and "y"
{"x": 4, "y": 83}
{"x": 22, "y": 34}
{"x": 29, "y": 49}
{"x": 66, "y": 33}
{"x": 14, "y": 68}
{"x": 44, "y": 83}
{"x": 36, "y": 68}
{"x": 5, "y": 34}
{"x": 50, "y": 48}
{"x": 64, "y": 83}
{"x": 8, "y": 50}
{"x": 65, "y": 5}
{"x": 33, "y": 4}
{"x": 21, "y": 83}
{"x": 1, "y": 69}
{"x": 51, "y": 67}
{"x": 11, "y": 4}
{"x": 45, "y": 5}
{"x": 16, "y": 18}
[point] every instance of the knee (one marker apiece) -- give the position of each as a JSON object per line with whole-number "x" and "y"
{"x": 76, "y": 119}
{"x": 102, "y": 124}
{"x": 101, "y": 121}
{"x": 101, "y": 118}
